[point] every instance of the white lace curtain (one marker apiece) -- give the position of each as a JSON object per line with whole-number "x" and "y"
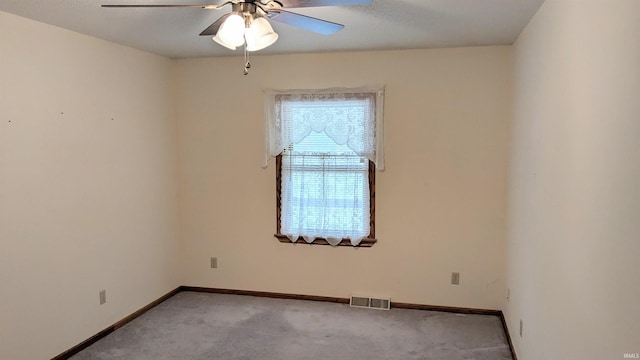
{"x": 346, "y": 125}
{"x": 326, "y": 137}
{"x": 325, "y": 196}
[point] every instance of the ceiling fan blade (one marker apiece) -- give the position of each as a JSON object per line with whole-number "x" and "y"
{"x": 306, "y": 22}
{"x": 213, "y": 28}
{"x": 208, "y": 7}
{"x": 151, "y": 6}
{"x": 314, "y": 3}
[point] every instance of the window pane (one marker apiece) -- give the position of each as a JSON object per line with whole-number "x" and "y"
{"x": 325, "y": 196}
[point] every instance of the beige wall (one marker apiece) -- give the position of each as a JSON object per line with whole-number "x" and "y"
{"x": 440, "y": 205}
{"x": 574, "y": 204}
{"x": 87, "y": 186}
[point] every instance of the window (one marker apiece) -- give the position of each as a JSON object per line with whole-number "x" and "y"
{"x": 325, "y": 199}
{"x": 327, "y": 148}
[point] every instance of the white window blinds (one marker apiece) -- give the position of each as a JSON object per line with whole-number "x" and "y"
{"x": 323, "y": 194}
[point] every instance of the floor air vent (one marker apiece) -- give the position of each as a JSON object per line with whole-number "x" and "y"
{"x": 370, "y": 303}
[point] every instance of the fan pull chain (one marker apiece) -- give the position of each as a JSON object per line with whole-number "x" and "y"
{"x": 247, "y": 64}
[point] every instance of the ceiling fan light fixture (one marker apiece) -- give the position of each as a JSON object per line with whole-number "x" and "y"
{"x": 260, "y": 35}
{"x": 231, "y": 33}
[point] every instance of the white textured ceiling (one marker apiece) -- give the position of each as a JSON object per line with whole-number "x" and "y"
{"x": 382, "y": 25}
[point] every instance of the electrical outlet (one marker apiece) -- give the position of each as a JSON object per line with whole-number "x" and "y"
{"x": 214, "y": 263}
{"x": 103, "y": 297}
{"x": 455, "y": 278}
{"x": 520, "y": 327}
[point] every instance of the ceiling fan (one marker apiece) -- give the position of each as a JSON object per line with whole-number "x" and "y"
{"x": 247, "y": 24}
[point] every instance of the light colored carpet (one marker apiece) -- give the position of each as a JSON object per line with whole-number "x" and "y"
{"x": 203, "y": 326}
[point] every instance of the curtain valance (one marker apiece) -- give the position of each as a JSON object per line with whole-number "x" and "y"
{"x": 349, "y": 116}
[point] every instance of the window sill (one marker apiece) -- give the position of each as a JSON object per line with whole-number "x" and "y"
{"x": 365, "y": 243}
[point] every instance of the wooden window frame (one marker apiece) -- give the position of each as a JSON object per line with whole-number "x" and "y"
{"x": 369, "y": 241}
